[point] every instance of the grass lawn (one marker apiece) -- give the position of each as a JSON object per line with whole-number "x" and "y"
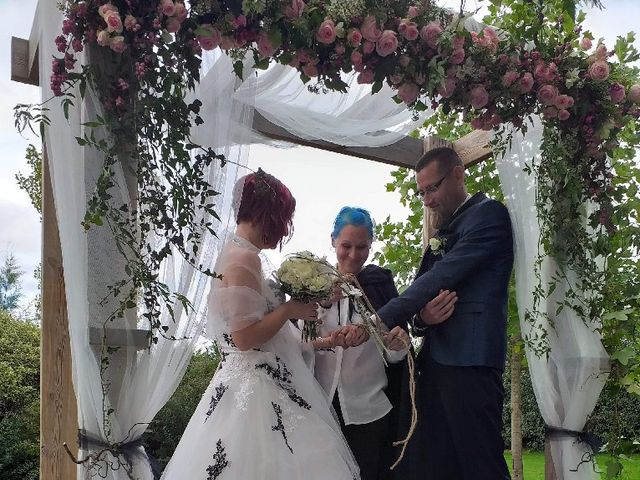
{"x": 534, "y": 466}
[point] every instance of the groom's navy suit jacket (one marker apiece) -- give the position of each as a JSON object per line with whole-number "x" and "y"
{"x": 475, "y": 260}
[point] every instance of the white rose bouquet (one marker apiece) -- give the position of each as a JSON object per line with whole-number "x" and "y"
{"x": 305, "y": 277}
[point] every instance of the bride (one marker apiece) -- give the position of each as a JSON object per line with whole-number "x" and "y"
{"x": 263, "y": 416}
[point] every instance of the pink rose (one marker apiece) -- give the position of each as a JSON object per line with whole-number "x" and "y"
{"x": 477, "y": 123}
{"x": 227, "y": 42}
{"x": 616, "y": 91}
{"x": 181, "y": 12}
{"x": 601, "y": 52}
{"x": 264, "y": 44}
{"x": 365, "y": 77}
{"x": 547, "y": 94}
{"x": 447, "y": 87}
{"x": 491, "y": 35}
{"x": 304, "y": 56}
{"x": 585, "y": 43}
{"x": 634, "y": 93}
{"x": 479, "y": 97}
{"x": 509, "y": 78}
{"x": 295, "y": 61}
{"x": 413, "y": 12}
{"x": 240, "y": 21}
{"x": 295, "y": 9}
{"x": 411, "y": 32}
{"x": 354, "y": 37}
{"x": 212, "y": 40}
{"x": 368, "y": 47}
{"x": 525, "y": 84}
{"x": 563, "y": 102}
{"x": 356, "y": 58}
{"x": 387, "y": 43}
{"x": 408, "y": 92}
{"x": 173, "y": 25}
{"x": 370, "y": 30}
{"x": 457, "y": 57}
{"x": 404, "y": 60}
{"x": 103, "y": 38}
{"x": 167, "y": 7}
{"x": 550, "y": 112}
{"x": 107, "y": 7}
{"x": 117, "y": 44}
{"x": 599, "y": 71}
{"x": 430, "y": 33}
{"x": 114, "y": 22}
{"x": 326, "y": 32}
{"x": 563, "y": 114}
{"x": 130, "y": 22}
{"x": 457, "y": 43}
{"x": 310, "y": 70}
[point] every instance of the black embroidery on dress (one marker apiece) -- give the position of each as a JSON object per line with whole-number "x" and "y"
{"x": 220, "y": 459}
{"x": 215, "y": 399}
{"x": 279, "y": 427}
{"x": 282, "y": 377}
{"x": 229, "y": 340}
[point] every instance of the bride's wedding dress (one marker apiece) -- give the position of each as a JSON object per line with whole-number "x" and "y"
{"x": 263, "y": 416}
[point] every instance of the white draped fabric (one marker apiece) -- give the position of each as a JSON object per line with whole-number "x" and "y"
{"x": 142, "y": 381}
{"x": 566, "y": 386}
{"x": 568, "y": 383}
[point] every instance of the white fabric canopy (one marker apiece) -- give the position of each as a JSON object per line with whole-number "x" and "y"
{"x": 568, "y": 383}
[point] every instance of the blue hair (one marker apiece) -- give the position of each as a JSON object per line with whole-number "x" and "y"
{"x": 358, "y": 217}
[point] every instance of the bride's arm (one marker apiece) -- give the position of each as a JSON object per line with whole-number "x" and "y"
{"x": 264, "y": 329}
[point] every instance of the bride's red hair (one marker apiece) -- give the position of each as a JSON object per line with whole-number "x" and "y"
{"x": 267, "y": 202}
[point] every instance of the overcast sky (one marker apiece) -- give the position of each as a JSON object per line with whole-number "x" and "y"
{"x": 320, "y": 181}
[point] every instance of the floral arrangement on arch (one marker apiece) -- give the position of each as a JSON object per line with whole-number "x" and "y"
{"x": 424, "y": 52}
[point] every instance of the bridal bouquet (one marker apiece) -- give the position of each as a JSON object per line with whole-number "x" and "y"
{"x": 305, "y": 277}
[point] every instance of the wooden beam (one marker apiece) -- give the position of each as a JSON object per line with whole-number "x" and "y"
{"x": 58, "y": 410}
{"x": 474, "y": 147}
{"x": 23, "y": 68}
{"x": 403, "y": 153}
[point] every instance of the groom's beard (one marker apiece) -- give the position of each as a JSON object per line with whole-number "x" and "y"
{"x": 435, "y": 219}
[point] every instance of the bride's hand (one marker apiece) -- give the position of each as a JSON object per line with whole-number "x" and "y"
{"x": 302, "y": 310}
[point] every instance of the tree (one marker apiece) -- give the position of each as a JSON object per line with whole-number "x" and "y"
{"x": 32, "y": 182}
{"x": 10, "y": 288}
{"x": 163, "y": 435}
{"x": 19, "y": 398}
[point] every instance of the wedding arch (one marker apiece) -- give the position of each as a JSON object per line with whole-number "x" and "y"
{"x": 146, "y": 140}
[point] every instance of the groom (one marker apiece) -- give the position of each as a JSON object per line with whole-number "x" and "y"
{"x": 460, "y": 391}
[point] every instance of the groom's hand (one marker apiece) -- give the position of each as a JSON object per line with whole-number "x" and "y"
{"x": 397, "y": 339}
{"x": 440, "y": 308}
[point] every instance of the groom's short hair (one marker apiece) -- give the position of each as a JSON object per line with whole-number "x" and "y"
{"x": 446, "y": 157}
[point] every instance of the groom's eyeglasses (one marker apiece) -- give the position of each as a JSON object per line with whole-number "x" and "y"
{"x": 433, "y": 188}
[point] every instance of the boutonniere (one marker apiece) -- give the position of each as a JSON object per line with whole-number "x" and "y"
{"x": 437, "y": 245}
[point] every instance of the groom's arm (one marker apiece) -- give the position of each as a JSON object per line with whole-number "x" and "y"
{"x": 486, "y": 237}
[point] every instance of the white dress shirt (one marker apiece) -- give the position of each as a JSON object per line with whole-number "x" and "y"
{"x": 355, "y": 374}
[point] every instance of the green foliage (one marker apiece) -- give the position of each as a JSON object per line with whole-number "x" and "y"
{"x": 31, "y": 183}
{"x": 165, "y": 431}
{"x": 10, "y": 288}
{"x": 19, "y": 398}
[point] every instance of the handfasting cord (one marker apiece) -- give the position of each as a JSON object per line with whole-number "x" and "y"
{"x": 410, "y": 366}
